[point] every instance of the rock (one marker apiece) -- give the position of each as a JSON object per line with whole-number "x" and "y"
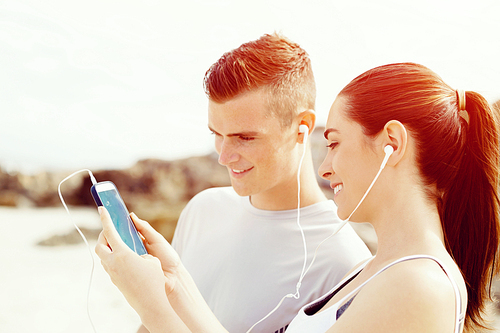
{"x": 72, "y": 237}
{"x": 11, "y": 190}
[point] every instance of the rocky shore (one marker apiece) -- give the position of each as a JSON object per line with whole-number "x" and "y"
{"x": 155, "y": 190}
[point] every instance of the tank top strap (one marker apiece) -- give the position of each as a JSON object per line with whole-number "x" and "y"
{"x": 459, "y": 316}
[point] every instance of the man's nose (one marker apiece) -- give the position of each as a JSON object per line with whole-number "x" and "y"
{"x": 227, "y": 153}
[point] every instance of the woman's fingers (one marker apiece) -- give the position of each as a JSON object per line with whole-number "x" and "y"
{"x": 146, "y": 230}
{"x": 109, "y": 231}
{"x": 102, "y": 248}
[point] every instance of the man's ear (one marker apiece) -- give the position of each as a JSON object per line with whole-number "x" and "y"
{"x": 308, "y": 118}
{"x": 395, "y": 135}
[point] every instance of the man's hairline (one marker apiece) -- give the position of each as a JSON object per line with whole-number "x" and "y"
{"x": 267, "y": 89}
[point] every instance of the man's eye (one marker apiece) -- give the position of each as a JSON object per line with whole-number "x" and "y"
{"x": 246, "y": 138}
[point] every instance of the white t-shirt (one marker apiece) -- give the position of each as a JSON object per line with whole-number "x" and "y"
{"x": 244, "y": 260}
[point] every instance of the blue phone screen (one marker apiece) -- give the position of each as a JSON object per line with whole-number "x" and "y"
{"x": 122, "y": 221}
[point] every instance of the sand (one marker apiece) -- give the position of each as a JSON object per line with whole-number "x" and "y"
{"x": 44, "y": 289}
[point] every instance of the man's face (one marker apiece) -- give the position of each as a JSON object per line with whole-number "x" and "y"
{"x": 257, "y": 151}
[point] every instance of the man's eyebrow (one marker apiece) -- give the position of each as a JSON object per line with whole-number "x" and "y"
{"x": 329, "y": 130}
{"x": 251, "y": 133}
{"x": 212, "y": 130}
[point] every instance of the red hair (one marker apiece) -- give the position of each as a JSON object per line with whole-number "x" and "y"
{"x": 271, "y": 62}
{"x": 459, "y": 157}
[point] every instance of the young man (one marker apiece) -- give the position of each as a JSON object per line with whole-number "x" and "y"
{"x": 242, "y": 244}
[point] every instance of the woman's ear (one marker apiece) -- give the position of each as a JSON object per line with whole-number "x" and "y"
{"x": 394, "y": 134}
{"x": 308, "y": 118}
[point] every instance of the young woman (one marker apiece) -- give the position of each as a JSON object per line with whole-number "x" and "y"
{"x": 434, "y": 207}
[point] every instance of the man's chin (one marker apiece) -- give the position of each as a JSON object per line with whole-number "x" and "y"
{"x": 241, "y": 191}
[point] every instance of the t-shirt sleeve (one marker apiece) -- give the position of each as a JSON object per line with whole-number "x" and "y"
{"x": 188, "y": 222}
{"x": 180, "y": 233}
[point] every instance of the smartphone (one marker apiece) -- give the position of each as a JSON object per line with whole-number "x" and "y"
{"x": 106, "y": 194}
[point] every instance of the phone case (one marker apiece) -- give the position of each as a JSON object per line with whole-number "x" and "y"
{"x": 112, "y": 201}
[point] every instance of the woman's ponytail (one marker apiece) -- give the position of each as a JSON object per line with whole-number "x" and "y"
{"x": 470, "y": 206}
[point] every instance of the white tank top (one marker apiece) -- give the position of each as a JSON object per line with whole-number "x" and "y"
{"x": 322, "y": 321}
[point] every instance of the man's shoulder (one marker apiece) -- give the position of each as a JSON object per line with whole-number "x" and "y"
{"x": 216, "y": 199}
{"x": 215, "y": 194}
{"x": 212, "y": 205}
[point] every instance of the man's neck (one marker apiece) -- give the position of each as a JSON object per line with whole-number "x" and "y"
{"x": 285, "y": 197}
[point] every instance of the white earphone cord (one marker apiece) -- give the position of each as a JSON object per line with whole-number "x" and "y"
{"x": 303, "y": 273}
{"x": 92, "y": 178}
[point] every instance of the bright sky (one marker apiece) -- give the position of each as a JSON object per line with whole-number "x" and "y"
{"x": 101, "y": 84}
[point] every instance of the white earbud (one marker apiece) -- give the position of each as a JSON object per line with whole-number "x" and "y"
{"x": 305, "y": 130}
{"x": 388, "y": 150}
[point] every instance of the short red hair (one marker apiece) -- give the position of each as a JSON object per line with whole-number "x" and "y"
{"x": 273, "y": 63}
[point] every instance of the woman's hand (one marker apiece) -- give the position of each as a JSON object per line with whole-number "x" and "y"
{"x": 179, "y": 286}
{"x": 157, "y": 246}
{"x": 147, "y": 280}
{"x": 141, "y": 279}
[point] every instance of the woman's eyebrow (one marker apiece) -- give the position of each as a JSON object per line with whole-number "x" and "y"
{"x": 329, "y": 130}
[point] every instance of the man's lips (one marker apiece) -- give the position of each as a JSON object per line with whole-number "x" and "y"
{"x": 239, "y": 172}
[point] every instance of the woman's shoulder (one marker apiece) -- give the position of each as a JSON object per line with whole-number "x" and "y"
{"x": 420, "y": 277}
{"x": 415, "y": 294}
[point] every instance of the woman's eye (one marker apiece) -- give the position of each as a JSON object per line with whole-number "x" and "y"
{"x": 332, "y": 145}
{"x": 246, "y": 138}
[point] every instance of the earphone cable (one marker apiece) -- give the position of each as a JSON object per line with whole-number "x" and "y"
{"x": 344, "y": 222}
{"x": 92, "y": 178}
{"x": 304, "y": 271}
{"x": 382, "y": 166}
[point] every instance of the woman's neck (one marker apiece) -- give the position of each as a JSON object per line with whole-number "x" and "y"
{"x": 410, "y": 225}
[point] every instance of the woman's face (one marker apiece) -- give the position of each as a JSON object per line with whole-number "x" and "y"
{"x": 350, "y": 164}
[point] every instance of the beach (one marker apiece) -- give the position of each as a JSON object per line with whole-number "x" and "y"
{"x": 44, "y": 288}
